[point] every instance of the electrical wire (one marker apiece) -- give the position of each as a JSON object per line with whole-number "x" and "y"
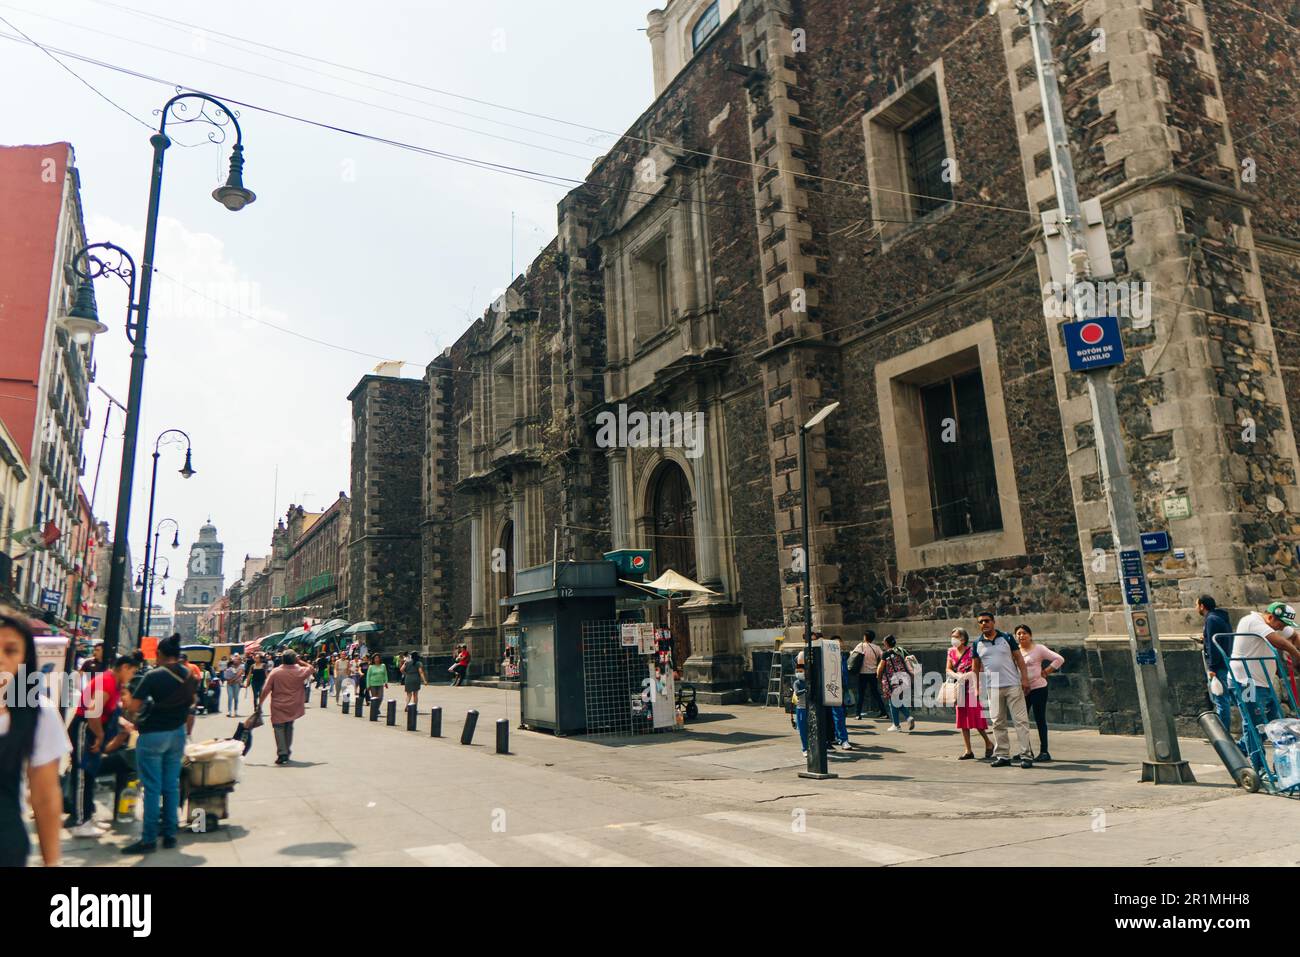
{"x": 90, "y": 86}
{"x": 558, "y": 180}
{"x": 189, "y": 27}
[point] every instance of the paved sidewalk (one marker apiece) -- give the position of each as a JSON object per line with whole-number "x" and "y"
{"x": 725, "y": 790}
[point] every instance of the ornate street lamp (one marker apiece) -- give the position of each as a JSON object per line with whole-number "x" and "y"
{"x": 186, "y": 471}
{"x": 83, "y": 323}
{"x": 176, "y": 541}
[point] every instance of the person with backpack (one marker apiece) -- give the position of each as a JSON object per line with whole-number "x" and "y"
{"x": 896, "y": 679}
{"x": 165, "y": 717}
{"x": 799, "y": 691}
{"x": 970, "y": 713}
{"x": 862, "y": 665}
{"x": 998, "y": 656}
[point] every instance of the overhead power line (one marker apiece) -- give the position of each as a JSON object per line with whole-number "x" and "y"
{"x": 99, "y": 93}
{"x": 189, "y": 27}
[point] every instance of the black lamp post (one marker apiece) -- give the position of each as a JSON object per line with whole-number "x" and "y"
{"x": 176, "y": 542}
{"x": 83, "y": 322}
{"x": 186, "y": 470}
{"x": 817, "y": 767}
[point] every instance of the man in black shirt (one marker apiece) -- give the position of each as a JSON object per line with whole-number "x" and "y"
{"x": 166, "y": 695}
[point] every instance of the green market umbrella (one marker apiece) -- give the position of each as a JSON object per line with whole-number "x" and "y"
{"x": 327, "y": 633}
{"x": 361, "y": 628}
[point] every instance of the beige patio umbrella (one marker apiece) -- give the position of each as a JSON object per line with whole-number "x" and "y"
{"x": 671, "y": 584}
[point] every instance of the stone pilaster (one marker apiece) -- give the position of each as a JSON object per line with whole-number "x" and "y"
{"x": 618, "y": 507}
{"x": 783, "y": 140}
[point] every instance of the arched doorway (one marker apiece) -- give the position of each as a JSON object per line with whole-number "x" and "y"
{"x": 672, "y": 516}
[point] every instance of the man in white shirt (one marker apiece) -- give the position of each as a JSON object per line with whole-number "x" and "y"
{"x": 998, "y": 655}
{"x": 1254, "y": 663}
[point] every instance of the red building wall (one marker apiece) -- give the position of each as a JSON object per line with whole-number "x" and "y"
{"x": 31, "y": 197}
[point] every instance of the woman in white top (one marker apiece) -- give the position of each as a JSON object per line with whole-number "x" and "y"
{"x": 32, "y": 744}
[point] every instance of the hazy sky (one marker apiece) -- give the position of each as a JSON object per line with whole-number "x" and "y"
{"x": 377, "y": 249}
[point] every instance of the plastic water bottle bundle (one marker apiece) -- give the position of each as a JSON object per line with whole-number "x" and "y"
{"x": 1285, "y": 735}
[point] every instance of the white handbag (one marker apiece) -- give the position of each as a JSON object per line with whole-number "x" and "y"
{"x": 948, "y": 694}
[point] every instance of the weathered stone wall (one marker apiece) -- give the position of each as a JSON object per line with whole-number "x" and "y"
{"x": 387, "y": 462}
{"x": 1161, "y": 114}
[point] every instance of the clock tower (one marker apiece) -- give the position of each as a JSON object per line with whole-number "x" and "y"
{"x": 204, "y": 582}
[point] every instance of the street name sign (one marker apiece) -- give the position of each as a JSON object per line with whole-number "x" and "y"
{"x": 1155, "y": 541}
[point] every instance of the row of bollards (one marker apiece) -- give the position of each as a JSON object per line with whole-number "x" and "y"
{"x": 435, "y": 720}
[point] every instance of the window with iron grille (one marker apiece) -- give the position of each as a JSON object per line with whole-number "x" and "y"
{"x": 911, "y": 167}
{"x": 926, "y": 152}
{"x": 963, "y": 483}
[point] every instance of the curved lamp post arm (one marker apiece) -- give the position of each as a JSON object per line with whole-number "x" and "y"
{"x": 175, "y": 527}
{"x": 189, "y": 443}
{"x": 89, "y": 265}
{"x": 211, "y": 111}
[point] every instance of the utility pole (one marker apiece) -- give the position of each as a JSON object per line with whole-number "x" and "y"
{"x": 1164, "y": 764}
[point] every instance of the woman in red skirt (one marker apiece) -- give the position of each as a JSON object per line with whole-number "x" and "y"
{"x": 970, "y": 716}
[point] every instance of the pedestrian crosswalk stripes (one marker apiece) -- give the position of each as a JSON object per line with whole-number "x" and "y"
{"x": 571, "y": 849}
{"x": 872, "y": 851}
{"x": 728, "y": 838}
{"x": 719, "y": 850}
{"x": 449, "y": 855}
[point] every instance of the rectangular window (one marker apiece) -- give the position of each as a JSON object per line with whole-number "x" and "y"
{"x": 661, "y": 283}
{"x": 652, "y": 289}
{"x": 926, "y": 152}
{"x": 705, "y": 25}
{"x": 910, "y": 163}
{"x": 963, "y": 483}
{"x": 503, "y": 397}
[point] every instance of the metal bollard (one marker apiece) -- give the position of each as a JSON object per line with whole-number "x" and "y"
{"x": 410, "y": 717}
{"x": 374, "y": 709}
{"x": 324, "y": 697}
{"x": 503, "y": 736}
{"x": 467, "y": 733}
{"x": 359, "y": 702}
{"x": 391, "y": 719}
{"x": 435, "y": 722}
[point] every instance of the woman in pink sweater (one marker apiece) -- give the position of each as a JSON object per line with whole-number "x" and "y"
{"x": 1040, "y": 661}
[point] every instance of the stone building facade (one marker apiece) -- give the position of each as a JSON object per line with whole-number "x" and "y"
{"x": 388, "y": 462}
{"x": 834, "y": 201}
{"x": 261, "y": 611}
{"x": 316, "y": 564}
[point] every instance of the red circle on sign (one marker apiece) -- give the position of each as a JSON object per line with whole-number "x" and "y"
{"x": 638, "y": 561}
{"x": 1092, "y": 333}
